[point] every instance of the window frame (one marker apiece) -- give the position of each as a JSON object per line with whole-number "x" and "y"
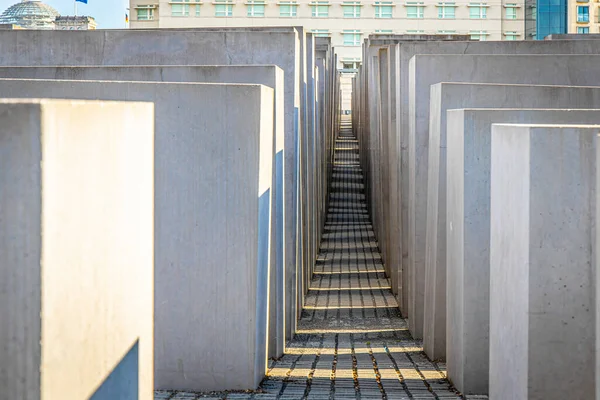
{"x": 585, "y": 16}
{"x": 227, "y": 6}
{"x": 148, "y": 8}
{"x": 481, "y": 7}
{"x": 510, "y": 11}
{"x": 443, "y": 8}
{"x": 318, "y": 5}
{"x": 293, "y": 9}
{"x": 356, "y": 37}
{"x": 418, "y": 6}
{"x": 380, "y": 6}
{"x": 355, "y": 6}
{"x": 251, "y": 8}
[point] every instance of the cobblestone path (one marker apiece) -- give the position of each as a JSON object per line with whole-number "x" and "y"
{"x": 352, "y": 342}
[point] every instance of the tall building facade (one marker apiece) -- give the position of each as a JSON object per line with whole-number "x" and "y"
{"x": 545, "y": 17}
{"x": 584, "y": 16}
{"x": 346, "y": 22}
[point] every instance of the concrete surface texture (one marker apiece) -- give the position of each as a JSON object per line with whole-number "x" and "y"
{"x": 270, "y": 76}
{"x": 468, "y": 227}
{"x": 542, "y": 258}
{"x": 351, "y": 342}
{"x": 425, "y": 70}
{"x": 197, "y": 220}
{"x": 77, "y": 268}
{"x": 444, "y": 97}
{"x": 210, "y": 46}
{"x": 407, "y": 49}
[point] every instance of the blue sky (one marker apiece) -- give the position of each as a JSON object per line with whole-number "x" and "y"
{"x": 109, "y": 14}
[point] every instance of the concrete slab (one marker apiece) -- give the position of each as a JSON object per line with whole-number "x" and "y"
{"x": 407, "y": 49}
{"x": 442, "y": 99}
{"x": 542, "y": 259}
{"x": 468, "y": 227}
{"x": 211, "y": 46}
{"x": 212, "y": 186}
{"x": 425, "y": 70}
{"x": 267, "y": 75}
{"x": 77, "y": 267}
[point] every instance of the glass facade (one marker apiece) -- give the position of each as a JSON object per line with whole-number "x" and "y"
{"x": 545, "y": 17}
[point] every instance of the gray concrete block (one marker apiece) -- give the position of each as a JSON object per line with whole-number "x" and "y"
{"x": 407, "y": 50}
{"x": 76, "y": 249}
{"x": 425, "y": 70}
{"x": 467, "y": 224}
{"x": 212, "y": 186}
{"x": 267, "y": 75}
{"x": 442, "y": 98}
{"x": 542, "y": 261}
{"x": 210, "y": 46}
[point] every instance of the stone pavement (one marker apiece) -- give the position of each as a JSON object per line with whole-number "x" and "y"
{"x": 352, "y": 342}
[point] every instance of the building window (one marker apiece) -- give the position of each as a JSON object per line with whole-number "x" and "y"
{"x": 446, "y": 10}
{"x": 223, "y": 8}
{"x": 181, "y": 8}
{"x": 415, "y": 10}
{"x": 511, "y": 36}
{"x": 145, "y": 13}
{"x": 352, "y": 38}
{"x": 320, "y": 9}
{"x": 383, "y": 9}
{"x": 351, "y": 9}
{"x": 446, "y": 32}
{"x": 288, "y": 9}
{"x": 414, "y": 32}
{"x": 478, "y": 11}
{"x": 383, "y": 31}
{"x": 479, "y": 35}
{"x": 583, "y": 14}
{"x": 583, "y": 30}
{"x": 256, "y": 8}
{"x": 511, "y": 11}
{"x": 320, "y": 33}
{"x": 350, "y": 65}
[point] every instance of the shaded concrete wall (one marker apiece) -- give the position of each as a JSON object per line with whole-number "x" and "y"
{"x": 201, "y": 230}
{"x": 468, "y": 203}
{"x": 208, "y": 46}
{"x": 532, "y": 306}
{"x": 77, "y": 271}
{"x": 271, "y": 76}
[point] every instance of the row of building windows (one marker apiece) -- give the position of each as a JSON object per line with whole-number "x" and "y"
{"x": 320, "y": 9}
{"x": 354, "y": 37}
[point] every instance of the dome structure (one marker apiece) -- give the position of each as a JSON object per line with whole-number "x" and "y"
{"x": 30, "y": 14}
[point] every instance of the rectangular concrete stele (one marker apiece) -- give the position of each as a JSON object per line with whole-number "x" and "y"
{"x": 407, "y": 49}
{"x": 268, "y": 75}
{"x": 208, "y": 46}
{"x": 542, "y": 261}
{"x": 425, "y": 70}
{"x": 212, "y": 176}
{"x": 76, "y": 250}
{"x": 435, "y": 288}
{"x": 468, "y": 224}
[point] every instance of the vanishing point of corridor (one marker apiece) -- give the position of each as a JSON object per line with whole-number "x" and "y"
{"x": 352, "y": 342}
